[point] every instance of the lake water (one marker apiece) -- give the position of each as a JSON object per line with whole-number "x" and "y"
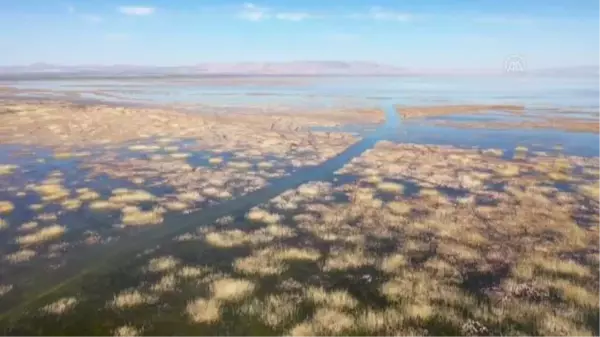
{"x": 580, "y": 93}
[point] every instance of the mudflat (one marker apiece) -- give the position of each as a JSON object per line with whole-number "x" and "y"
{"x": 409, "y": 112}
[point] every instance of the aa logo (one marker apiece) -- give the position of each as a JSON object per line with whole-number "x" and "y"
{"x": 514, "y": 64}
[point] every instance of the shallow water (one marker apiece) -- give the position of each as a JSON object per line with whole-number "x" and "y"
{"x": 576, "y": 92}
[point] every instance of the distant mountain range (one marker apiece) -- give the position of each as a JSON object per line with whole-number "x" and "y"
{"x": 301, "y": 68}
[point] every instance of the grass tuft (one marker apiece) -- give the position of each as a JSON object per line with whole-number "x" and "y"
{"x": 43, "y": 235}
{"x": 390, "y": 187}
{"x": 337, "y": 299}
{"x": 6, "y": 207}
{"x": 126, "y": 330}
{"x": 231, "y": 290}
{"x": 22, "y": 255}
{"x": 259, "y": 215}
{"x": 203, "y": 310}
{"x": 60, "y": 306}
{"x": 162, "y": 264}
{"x": 138, "y": 217}
{"x": 7, "y": 169}
{"x": 131, "y": 298}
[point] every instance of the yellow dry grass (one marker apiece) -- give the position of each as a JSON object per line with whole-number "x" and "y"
{"x": 591, "y": 191}
{"x": 5, "y": 289}
{"x": 240, "y": 165}
{"x": 521, "y": 148}
{"x": 131, "y": 197}
{"x": 398, "y": 207}
{"x": 231, "y": 290}
{"x": 130, "y": 298}
{"x": 51, "y": 191}
{"x": 43, "y": 235}
{"x": 162, "y": 264}
{"x": 176, "y": 205}
{"x": 67, "y": 155}
{"x": 180, "y": 155}
{"x": 493, "y": 152}
{"x": 192, "y": 272}
{"x": 165, "y": 284}
{"x": 136, "y": 217}
{"x": 260, "y": 215}
{"x": 103, "y": 205}
{"x": 347, "y": 259}
{"x": 337, "y": 299}
{"x": 6, "y": 207}
{"x": 71, "y": 204}
{"x": 144, "y": 148}
{"x": 126, "y": 330}
{"x": 215, "y": 160}
{"x": 271, "y": 261}
{"x": 36, "y": 207}
{"x": 264, "y": 165}
{"x": 60, "y": 306}
{"x": 22, "y": 255}
{"x": 259, "y": 264}
{"x": 275, "y": 310}
{"x": 393, "y": 263}
{"x": 191, "y": 196}
{"x": 380, "y": 322}
{"x": 508, "y": 170}
{"x": 325, "y": 321}
{"x": 203, "y": 310}
{"x": 227, "y": 239}
{"x": 7, "y": 169}
{"x": 171, "y": 148}
{"x": 390, "y": 187}
{"x": 529, "y": 267}
{"x": 86, "y": 194}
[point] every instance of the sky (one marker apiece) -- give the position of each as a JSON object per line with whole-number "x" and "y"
{"x": 418, "y": 34}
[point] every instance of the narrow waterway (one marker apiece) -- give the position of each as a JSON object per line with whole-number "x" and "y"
{"x": 41, "y": 285}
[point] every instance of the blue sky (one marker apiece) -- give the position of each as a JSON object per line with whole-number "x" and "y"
{"x": 410, "y": 33}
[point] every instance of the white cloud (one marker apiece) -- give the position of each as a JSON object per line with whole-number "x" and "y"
{"x": 252, "y": 12}
{"x": 292, "y": 16}
{"x": 134, "y": 10}
{"x": 378, "y": 13}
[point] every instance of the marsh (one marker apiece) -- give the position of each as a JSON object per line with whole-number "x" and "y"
{"x": 180, "y": 217}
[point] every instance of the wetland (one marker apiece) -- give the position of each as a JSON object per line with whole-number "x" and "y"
{"x": 297, "y": 207}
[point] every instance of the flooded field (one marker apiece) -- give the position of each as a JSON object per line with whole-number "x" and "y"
{"x": 307, "y": 211}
